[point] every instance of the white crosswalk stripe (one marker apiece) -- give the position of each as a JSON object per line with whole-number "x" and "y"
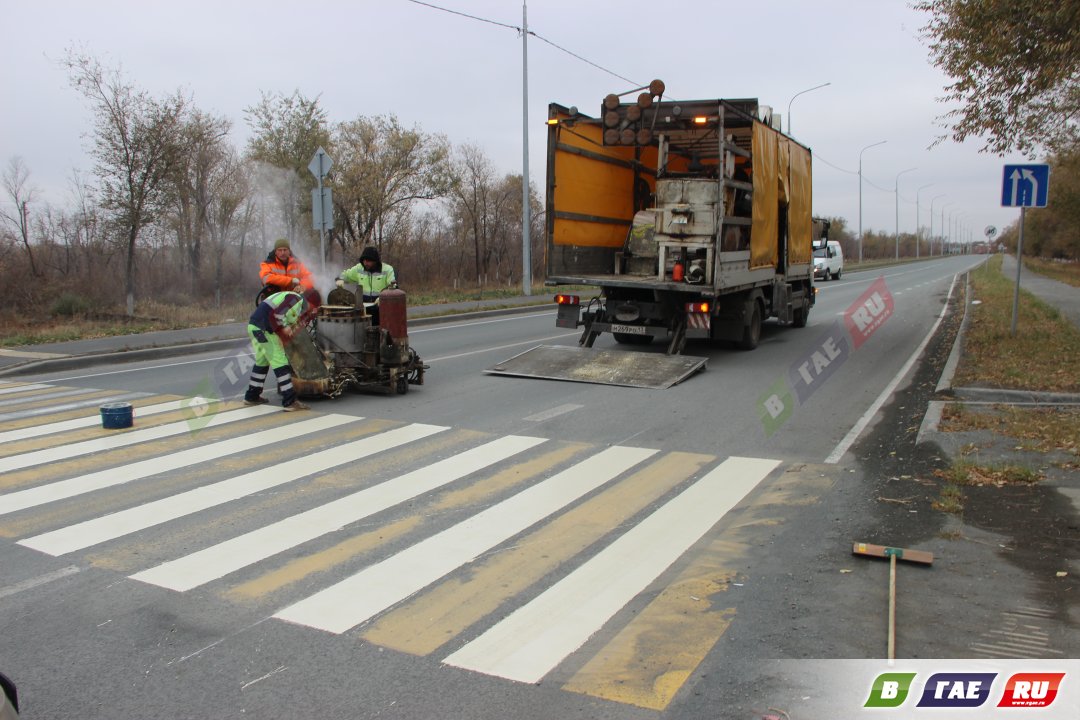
{"x": 450, "y": 503}
{"x": 63, "y": 489}
{"x": 91, "y": 420}
{"x": 536, "y": 638}
{"x": 217, "y": 561}
{"x": 134, "y": 437}
{"x": 358, "y": 598}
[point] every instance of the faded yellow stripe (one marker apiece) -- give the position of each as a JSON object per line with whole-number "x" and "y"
{"x": 346, "y": 551}
{"x": 141, "y": 451}
{"x": 87, "y": 394}
{"x": 650, "y": 659}
{"x": 647, "y": 662}
{"x": 84, "y": 507}
{"x": 78, "y": 412}
{"x": 435, "y": 617}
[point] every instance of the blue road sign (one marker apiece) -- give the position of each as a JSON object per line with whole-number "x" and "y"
{"x": 1025, "y": 186}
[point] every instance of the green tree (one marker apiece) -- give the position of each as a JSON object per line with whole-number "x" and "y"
{"x": 135, "y": 149}
{"x": 1015, "y": 67}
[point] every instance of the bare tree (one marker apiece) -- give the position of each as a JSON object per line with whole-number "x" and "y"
{"x": 16, "y": 179}
{"x": 134, "y": 148}
{"x": 381, "y": 170}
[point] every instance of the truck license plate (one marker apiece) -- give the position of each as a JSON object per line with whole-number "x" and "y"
{"x": 630, "y": 329}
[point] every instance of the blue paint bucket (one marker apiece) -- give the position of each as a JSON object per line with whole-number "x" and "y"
{"x": 116, "y": 415}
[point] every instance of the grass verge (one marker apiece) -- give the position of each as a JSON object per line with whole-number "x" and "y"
{"x": 1066, "y": 272}
{"x": 1042, "y": 355}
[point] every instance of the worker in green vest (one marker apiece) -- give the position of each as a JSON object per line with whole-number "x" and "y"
{"x": 371, "y": 276}
{"x": 274, "y": 322}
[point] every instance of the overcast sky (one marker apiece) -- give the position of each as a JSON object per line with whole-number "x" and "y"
{"x": 463, "y": 77}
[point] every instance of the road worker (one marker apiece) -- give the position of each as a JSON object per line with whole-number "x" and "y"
{"x": 274, "y": 322}
{"x": 281, "y": 270}
{"x": 371, "y": 276}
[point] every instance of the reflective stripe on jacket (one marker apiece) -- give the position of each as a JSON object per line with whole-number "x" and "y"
{"x": 370, "y": 283}
{"x": 280, "y": 310}
{"x": 273, "y": 273}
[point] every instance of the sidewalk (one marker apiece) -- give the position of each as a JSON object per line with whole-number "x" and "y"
{"x": 50, "y": 357}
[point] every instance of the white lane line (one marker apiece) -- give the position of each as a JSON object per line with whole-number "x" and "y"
{"x": 38, "y": 581}
{"x": 23, "y": 388}
{"x": 125, "y": 522}
{"x": 503, "y": 347}
{"x": 133, "y": 437}
{"x": 531, "y": 641}
{"x": 377, "y": 587}
{"x": 553, "y": 412}
{"x": 862, "y": 423}
{"x": 219, "y": 560}
{"x": 111, "y": 477}
{"x": 64, "y": 407}
{"x": 95, "y": 419}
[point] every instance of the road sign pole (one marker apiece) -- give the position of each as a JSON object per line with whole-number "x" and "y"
{"x": 322, "y": 223}
{"x": 1019, "y": 265}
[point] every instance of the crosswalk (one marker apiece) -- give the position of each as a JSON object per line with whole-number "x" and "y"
{"x": 502, "y": 555}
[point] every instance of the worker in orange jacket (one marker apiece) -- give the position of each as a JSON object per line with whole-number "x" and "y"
{"x": 282, "y": 271}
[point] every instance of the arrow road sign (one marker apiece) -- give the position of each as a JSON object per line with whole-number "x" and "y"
{"x": 1025, "y": 186}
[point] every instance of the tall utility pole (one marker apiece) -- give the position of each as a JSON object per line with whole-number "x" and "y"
{"x": 526, "y": 240}
{"x": 896, "y": 192}
{"x": 860, "y": 192}
{"x": 918, "y": 219}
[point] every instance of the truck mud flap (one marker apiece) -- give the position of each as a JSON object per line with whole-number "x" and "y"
{"x": 605, "y": 367}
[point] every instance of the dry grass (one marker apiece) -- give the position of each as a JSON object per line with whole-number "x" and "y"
{"x": 1043, "y": 355}
{"x": 965, "y": 473}
{"x": 1040, "y": 429}
{"x": 1066, "y": 272}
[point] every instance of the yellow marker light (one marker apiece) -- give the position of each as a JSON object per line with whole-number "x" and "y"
{"x": 701, "y": 119}
{"x": 553, "y": 121}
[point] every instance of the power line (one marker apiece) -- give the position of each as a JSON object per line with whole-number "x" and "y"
{"x": 535, "y": 35}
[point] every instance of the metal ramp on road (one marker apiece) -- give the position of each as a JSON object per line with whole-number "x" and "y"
{"x": 630, "y": 368}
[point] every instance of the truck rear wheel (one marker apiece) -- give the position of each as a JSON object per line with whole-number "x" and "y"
{"x": 799, "y": 315}
{"x": 752, "y": 332}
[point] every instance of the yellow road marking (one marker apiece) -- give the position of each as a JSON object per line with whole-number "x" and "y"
{"x": 437, "y": 616}
{"x": 347, "y": 550}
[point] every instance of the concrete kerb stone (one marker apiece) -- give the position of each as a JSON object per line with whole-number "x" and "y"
{"x": 928, "y": 429}
{"x": 75, "y": 362}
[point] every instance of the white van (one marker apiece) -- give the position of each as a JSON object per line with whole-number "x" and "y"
{"x": 828, "y": 261}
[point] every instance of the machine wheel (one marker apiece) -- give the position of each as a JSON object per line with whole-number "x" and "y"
{"x": 752, "y": 332}
{"x": 836, "y": 275}
{"x": 402, "y": 384}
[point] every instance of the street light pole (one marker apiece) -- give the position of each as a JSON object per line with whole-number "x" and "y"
{"x": 896, "y": 192}
{"x": 932, "y": 221}
{"x": 918, "y": 219}
{"x": 801, "y": 92}
{"x": 942, "y": 223}
{"x": 526, "y": 220}
{"x": 860, "y": 192}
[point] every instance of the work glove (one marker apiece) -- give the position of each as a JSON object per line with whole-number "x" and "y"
{"x": 296, "y": 282}
{"x": 340, "y": 283}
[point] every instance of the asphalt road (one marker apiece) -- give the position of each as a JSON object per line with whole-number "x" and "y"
{"x": 478, "y": 547}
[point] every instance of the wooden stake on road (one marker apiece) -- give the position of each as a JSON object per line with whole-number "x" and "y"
{"x": 893, "y": 553}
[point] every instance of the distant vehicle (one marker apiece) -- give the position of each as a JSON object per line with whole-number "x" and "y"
{"x": 828, "y": 260}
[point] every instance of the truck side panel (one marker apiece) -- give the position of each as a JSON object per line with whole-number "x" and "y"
{"x": 766, "y": 178}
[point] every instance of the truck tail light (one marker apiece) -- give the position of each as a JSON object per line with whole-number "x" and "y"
{"x": 697, "y": 307}
{"x": 567, "y": 300}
